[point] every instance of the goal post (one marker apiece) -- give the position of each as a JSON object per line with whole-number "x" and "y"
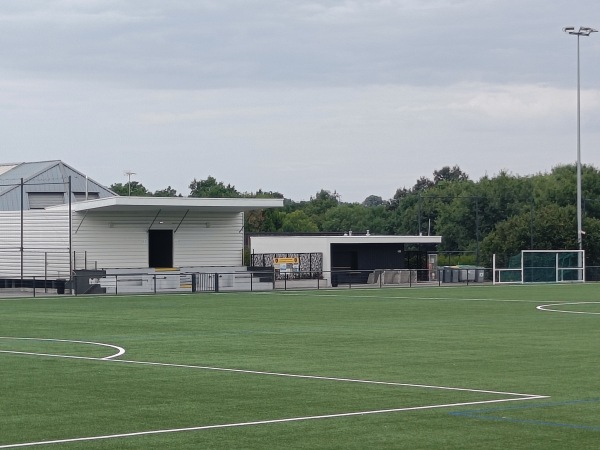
{"x": 542, "y": 266}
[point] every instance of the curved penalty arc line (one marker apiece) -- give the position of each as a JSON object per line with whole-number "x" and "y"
{"x": 551, "y": 308}
{"x": 120, "y": 350}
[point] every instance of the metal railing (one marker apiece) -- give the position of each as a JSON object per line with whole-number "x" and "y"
{"x": 251, "y": 281}
{"x": 33, "y": 286}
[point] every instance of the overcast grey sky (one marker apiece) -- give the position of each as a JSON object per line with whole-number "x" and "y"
{"x": 358, "y": 96}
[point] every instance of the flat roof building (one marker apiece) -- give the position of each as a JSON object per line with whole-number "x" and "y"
{"x": 359, "y": 254}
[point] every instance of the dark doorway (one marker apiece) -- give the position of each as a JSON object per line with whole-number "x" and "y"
{"x": 160, "y": 248}
{"x": 344, "y": 260}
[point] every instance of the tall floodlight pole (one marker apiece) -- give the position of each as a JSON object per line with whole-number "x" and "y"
{"x": 583, "y": 31}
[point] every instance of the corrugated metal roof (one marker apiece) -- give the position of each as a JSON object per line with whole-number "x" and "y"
{"x": 25, "y": 170}
{"x": 129, "y": 204}
{"x": 43, "y": 176}
{"x": 6, "y": 167}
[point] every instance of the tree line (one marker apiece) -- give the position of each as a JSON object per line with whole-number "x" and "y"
{"x": 502, "y": 214}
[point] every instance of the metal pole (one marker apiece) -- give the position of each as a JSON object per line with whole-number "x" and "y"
{"x": 420, "y": 207}
{"x": 70, "y": 233}
{"x": 476, "y": 230}
{"x": 22, "y": 206}
{"x": 531, "y": 224}
{"x": 583, "y": 31}
{"x": 579, "y": 228}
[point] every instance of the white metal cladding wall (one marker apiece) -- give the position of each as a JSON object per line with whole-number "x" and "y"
{"x": 45, "y": 244}
{"x": 111, "y": 240}
{"x": 293, "y": 244}
{"x": 120, "y": 240}
{"x": 210, "y": 240}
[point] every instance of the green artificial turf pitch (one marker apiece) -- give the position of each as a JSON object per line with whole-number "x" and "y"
{"x": 461, "y": 367}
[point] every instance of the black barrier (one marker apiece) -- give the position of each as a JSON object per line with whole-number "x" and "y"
{"x": 98, "y": 283}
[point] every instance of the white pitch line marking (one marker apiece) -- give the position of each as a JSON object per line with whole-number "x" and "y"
{"x": 399, "y": 297}
{"x": 277, "y": 374}
{"x": 120, "y": 350}
{"x": 515, "y": 396}
{"x": 316, "y": 377}
{"x": 547, "y": 308}
{"x": 263, "y": 422}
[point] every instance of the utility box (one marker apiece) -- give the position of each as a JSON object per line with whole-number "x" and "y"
{"x": 462, "y": 274}
{"x": 450, "y": 274}
{"x": 473, "y": 274}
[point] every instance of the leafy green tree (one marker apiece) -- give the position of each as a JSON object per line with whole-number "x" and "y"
{"x": 212, "y": 188}
{"x": 134, "y": 189}
{"x": 560, "y": 187}
{"x": 422, "y": 184}
{"x": 264, "y": 194}
{"x": 373, "y": 200}
{"x": 319, "y": 205}
{"x": 167, "y": 192}
{"x": 552, "y": 228}
{"x": 298, "y": 222}
{"x": 450, "y": 174}
{"x": 264, "y": 220}
{"x": 357, "y": 218}
{"x": 591, "y": 240}
{"x": 345, "y": 217}
{"x": 379, "y": 220}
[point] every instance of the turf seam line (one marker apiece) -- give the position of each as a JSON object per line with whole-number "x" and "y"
{"x": 489, "y": 414}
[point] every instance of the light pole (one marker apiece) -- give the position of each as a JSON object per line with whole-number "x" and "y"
{"x": 583, "y": 31}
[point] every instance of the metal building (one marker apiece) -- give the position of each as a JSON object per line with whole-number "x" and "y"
{"x": 51, "y": 238}
{"x": 352, "y": 257}
{"x": 45, "y": 183}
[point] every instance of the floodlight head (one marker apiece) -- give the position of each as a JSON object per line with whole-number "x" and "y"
{"x": 586, "y": 31}
{"x": 583, "y": 31}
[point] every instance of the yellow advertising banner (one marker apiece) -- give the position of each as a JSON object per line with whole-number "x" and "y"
{"x": 286, "y": 260}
